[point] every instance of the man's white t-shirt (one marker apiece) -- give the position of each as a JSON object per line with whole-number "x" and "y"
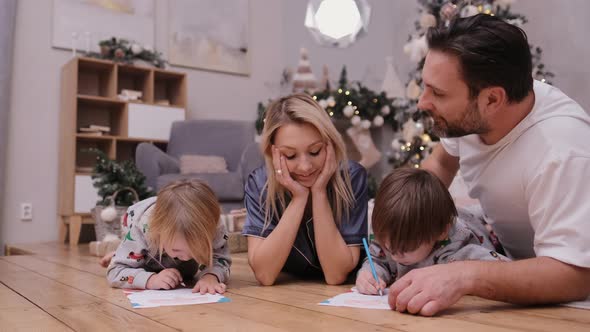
{"x": 534, "y": 184}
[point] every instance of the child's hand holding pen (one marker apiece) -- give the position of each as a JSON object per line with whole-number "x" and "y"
{"x": 376, "y": 280}
{"x": 366, "y": 284}
{"x": 165, "y": 279}
{"x": 171, "y": 278}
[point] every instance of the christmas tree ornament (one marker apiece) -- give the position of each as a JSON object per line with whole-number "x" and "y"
{"x": 108, "y": 214}
{"x": 331, "y": 101}
{"x": 427, "y": 20}
{"x": 385, "y": 110}
{"x": 378, "y": 121}
{"x": 413, "y": 91}
{"x": 363, "y": 142}
{"x": 392, "y": 85}
{"x": 416, "y": 48}
{"x": 448, "y": 12}
{"x": 304, "y": 79}
{"x": 323, "y": 103}
{"x": 365, "y": 124}
{"x": 356, "y": 120}
{"x": 410, "y": 130}
{"x": 348, "y": 111}
{"x": 468, "y": 11}
{"x": 396, "y": 145}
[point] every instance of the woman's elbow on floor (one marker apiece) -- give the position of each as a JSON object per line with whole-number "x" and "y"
{"x": 335, "y": 280}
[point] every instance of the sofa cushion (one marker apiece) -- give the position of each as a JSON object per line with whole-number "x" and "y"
{"x": 190, "y": 163}
{"x": 227, "y": 186}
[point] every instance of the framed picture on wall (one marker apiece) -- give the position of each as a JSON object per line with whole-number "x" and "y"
{"x": 209, "y": 34}
{"x": 81, "y": 24}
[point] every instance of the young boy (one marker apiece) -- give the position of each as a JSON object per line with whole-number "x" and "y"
{"x": 416, "y": 224}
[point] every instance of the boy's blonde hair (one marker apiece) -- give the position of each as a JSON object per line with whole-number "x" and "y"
{"x": 190, "y": 208}
{"x": 412, "y": 207}
{"x": 302, "y": 109}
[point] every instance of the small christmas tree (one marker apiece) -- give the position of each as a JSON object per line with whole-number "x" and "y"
{"x": 110, "y": 175}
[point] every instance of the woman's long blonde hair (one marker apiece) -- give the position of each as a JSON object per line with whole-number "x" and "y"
{"x": 303, "y": 109}
{"x": 190, "y": 208}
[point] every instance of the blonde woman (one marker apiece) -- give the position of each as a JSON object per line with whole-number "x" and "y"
{"x": 173, "y": 238}
{"x": 307, "y": 206}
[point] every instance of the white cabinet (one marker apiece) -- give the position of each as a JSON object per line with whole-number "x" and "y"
{"x": 86, "y": 195}
{"x": 152, "y": 121}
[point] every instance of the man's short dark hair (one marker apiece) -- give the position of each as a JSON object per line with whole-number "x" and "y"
{"x": 491, "y": 53}
{"x": 412, "y": 207}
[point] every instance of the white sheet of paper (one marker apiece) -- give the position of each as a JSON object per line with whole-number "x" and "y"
{"x": 578, "y": 304}
{"x": 355, "y": 299}
{"x": 181, "y": 296}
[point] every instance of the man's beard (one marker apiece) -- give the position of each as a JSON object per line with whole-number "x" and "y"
{"x": 470, "y": 123}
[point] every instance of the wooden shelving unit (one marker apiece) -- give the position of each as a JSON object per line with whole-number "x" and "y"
{"x": 89, "y": 96}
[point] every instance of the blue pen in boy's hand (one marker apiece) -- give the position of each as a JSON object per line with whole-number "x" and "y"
{"x": 372, "y": 266}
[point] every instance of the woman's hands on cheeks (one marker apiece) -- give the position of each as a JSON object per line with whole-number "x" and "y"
{"x": 327, "y": 171}
{"x": 282, "y": 175}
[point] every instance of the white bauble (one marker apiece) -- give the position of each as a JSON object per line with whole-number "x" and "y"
{"x": 396, "y": 145}
{"x": 108, "y": 214}
{"x": 323, "y": 103}
{"x": 416, "y": 48}
{"x": 136, "y": 49}
{"x": 365, "y": 124}
{"x": 348, "y": 111}
{"x": 356, "y": 120}
{"x": 378, "y": 121}
{"x": 385, "y": 110}
{"x": 427, "y": 21}
{"x": 331, "y": 101}
{"x": 468, "y": 11}
{"x": 413, "y": 91}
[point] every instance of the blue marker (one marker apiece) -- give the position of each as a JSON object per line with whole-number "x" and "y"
{"x": 371, "y": 264}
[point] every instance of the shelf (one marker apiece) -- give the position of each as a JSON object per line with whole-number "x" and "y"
{"x": 170, "y": 86}
{"x": 98, "y": 100}
{"x": 95, "y": 137}
{"x": 89, "y": 96}
{"x": 100, "y": 111}
{"x": 96, "y": 77}
{"x": 136, "y": 78}
{"x": 136, "y": 139}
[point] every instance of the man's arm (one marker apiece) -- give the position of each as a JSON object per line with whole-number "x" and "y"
{"x": 442, "y": 164}
{"x": 429, "y": 290}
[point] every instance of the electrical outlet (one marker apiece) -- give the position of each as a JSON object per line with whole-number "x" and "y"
{"x": 26, "y": 211}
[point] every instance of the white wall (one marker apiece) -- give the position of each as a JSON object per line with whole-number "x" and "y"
{"x": 32, "y": 152}
{"x": 277, "y": 33}
{"x": 561, "y": 29}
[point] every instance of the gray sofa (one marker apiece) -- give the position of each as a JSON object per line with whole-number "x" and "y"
{"x": 232, "y": 140}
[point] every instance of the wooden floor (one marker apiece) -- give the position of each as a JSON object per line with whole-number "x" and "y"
{"x": 58, "y": 288}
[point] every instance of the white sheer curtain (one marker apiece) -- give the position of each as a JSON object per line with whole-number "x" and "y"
{"x": 7, "y": 23}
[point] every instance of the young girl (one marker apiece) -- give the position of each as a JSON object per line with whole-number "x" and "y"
{"x": 416, "y": 224}
{"x": 173, "y": 238}
{"x": 307, "y": 207}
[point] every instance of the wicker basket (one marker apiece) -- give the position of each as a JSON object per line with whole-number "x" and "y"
{"x": 103, "y": 227}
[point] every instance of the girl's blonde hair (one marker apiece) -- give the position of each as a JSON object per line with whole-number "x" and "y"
{"x": 302, "y": 109}
{"x": 189, "y": 208}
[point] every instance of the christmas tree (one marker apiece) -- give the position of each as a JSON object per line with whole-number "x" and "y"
{"x": 417, "y": 141}
{"x": 110, "y": 175}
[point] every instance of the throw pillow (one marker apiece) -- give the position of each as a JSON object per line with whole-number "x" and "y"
{"x": 202, "y": 164}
